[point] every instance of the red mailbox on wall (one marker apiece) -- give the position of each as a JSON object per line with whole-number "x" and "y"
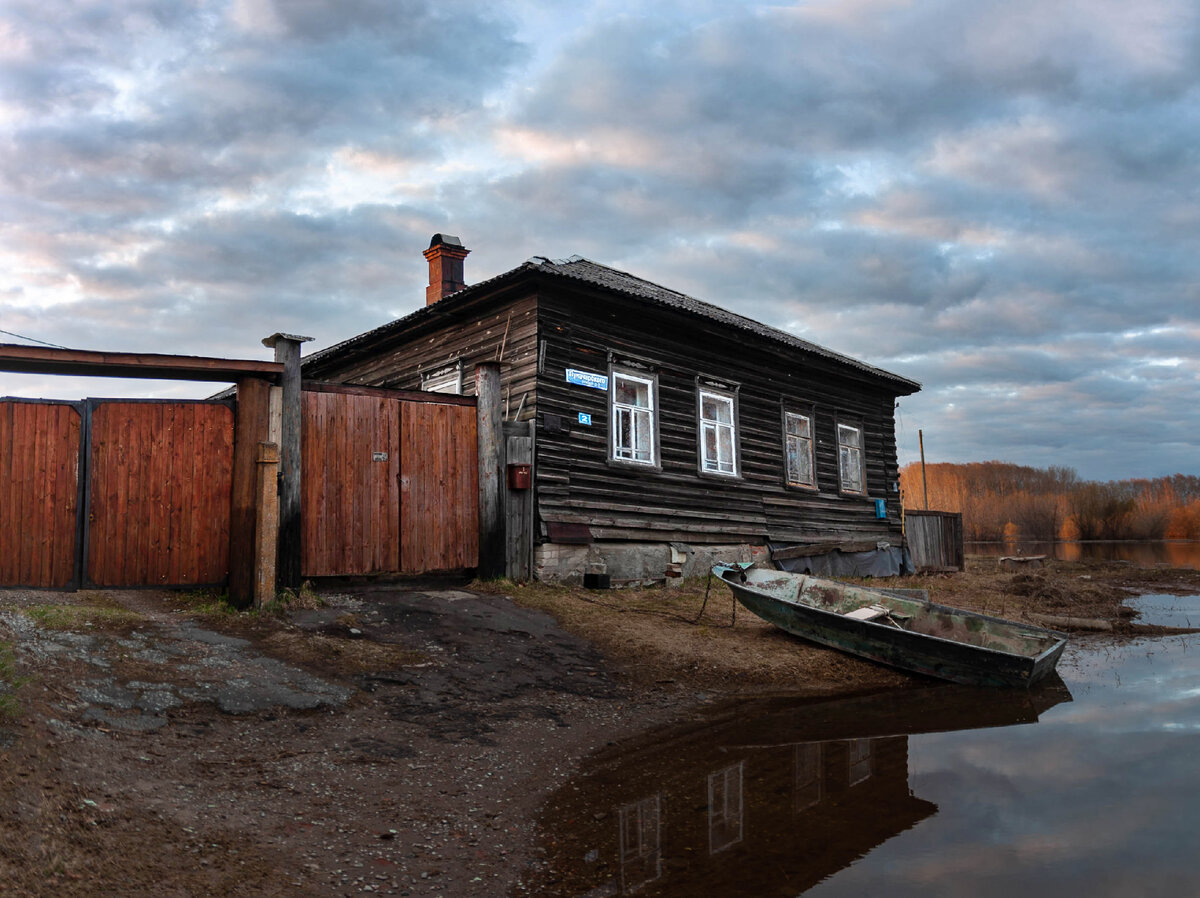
{"x": 518, "y": 477}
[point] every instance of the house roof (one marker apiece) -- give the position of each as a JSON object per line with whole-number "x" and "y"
{"x": 577, "y": 268}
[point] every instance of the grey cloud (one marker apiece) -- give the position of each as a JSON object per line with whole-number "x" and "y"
{"x": 985, "y": 196}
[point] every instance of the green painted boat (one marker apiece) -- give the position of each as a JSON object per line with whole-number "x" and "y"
{"x": 909, "y": 633}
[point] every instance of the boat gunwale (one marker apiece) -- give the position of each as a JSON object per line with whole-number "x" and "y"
{"x": 1059, "y": 639}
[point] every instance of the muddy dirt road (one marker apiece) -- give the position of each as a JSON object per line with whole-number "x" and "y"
{"x": 391, "y": 742}
{"x": 383, "y": 741}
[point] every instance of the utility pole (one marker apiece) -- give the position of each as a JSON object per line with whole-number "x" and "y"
{"x": 924, "y": 482}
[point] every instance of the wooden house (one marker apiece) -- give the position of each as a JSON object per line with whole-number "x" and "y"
{"x": 666, "y": 431}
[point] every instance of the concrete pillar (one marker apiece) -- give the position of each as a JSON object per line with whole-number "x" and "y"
{"x": 490, "y": 434}
{"x": 287, "y": 352}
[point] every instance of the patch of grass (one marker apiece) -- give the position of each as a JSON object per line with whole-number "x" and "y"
{"x": 75, "y": 617}
{"x": 291, "y": 600}
{"x": 205, "y": 601}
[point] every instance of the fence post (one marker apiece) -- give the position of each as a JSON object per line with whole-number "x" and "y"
{"x": 250, "y": 428}
{"x": 518, "y": 503}
{"x": 266, "y": 526}
{"x": 490, "y": 436}
{"x": 287, "y": 352}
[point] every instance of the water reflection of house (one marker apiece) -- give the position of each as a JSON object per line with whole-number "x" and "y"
{"x": 753, "y": 806}
{"x": 781, "y": 817}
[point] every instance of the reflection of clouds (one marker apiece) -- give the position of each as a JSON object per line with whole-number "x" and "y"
{"x": 1096, "y": 799}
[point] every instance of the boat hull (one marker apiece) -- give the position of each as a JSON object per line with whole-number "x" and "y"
{"x": 918, "y": 652}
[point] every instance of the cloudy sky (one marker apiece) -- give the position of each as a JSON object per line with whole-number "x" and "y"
{"x": 997, "y": 198}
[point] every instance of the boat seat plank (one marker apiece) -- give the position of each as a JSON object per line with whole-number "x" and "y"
{"x": 867, "y": 612}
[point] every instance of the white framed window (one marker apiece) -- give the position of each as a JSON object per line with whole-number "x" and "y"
{"x": 810, "y": 785}
{"x": 725, "y": 807}
{"x": 798, "y": 450}
{"x": 633, "y": 420}
{"x": 718, "y": 432}
{"x": 639, "y": 837}
{"x": 443, "y": 380}
{"x": 858, "y": 760}
{"x": 850, "y": 459}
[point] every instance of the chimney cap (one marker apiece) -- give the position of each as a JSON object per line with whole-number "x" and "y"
{"x": 444, "y": 240}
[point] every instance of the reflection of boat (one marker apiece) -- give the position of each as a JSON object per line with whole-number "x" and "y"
{"x": 909, "y": 633}
{"x": 933, "y": 708}
{"x": 764, "y": 797}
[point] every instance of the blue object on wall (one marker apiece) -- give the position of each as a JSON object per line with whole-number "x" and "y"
{"x": 587, "y": 379}
{"x": 880, "y": 508}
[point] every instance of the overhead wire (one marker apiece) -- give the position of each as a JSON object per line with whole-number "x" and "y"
{"x": 32, "y": 339}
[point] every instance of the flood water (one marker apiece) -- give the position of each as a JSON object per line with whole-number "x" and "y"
{"x": 1176, "y": 553}
{"x": 1086, "y": 786}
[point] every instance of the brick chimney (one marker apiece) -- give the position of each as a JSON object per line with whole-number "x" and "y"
{"x": 445, "y": 255}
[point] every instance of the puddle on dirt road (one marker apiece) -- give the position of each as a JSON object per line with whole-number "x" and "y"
{"x": 1084, "y": 786}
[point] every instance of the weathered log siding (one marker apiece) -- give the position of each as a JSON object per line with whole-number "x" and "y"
{"x": 576, "y": 482}
{"x": 471, "y": 334}
{"x": 548, "y": 327}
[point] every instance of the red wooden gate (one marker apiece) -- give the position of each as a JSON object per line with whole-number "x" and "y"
{"x": 389, "y": 482}
{"x": 149, "y": 507}
{"x": 39, "y": 492}
{"x": 160, "y": 476}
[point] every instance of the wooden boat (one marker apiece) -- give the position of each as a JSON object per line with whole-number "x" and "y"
{"x": 909, "y": 633}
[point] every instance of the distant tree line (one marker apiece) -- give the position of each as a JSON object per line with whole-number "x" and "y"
{"x": 1000, "y": 500}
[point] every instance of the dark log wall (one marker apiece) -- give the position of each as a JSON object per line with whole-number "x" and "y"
{"x": 471, "y": 334}
{"x": 577, "y": 483}
{"x": 545, "y": 330}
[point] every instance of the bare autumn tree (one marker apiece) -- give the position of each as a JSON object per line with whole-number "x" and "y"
{"x": 1000, "y": 499}
{"x": 1037, "y": 515}
{"x": 1100, "y": 510}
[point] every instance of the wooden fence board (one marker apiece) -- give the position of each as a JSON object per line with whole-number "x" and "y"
{"x": 159, "y": 493}
{"x": 39, "y": 493}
